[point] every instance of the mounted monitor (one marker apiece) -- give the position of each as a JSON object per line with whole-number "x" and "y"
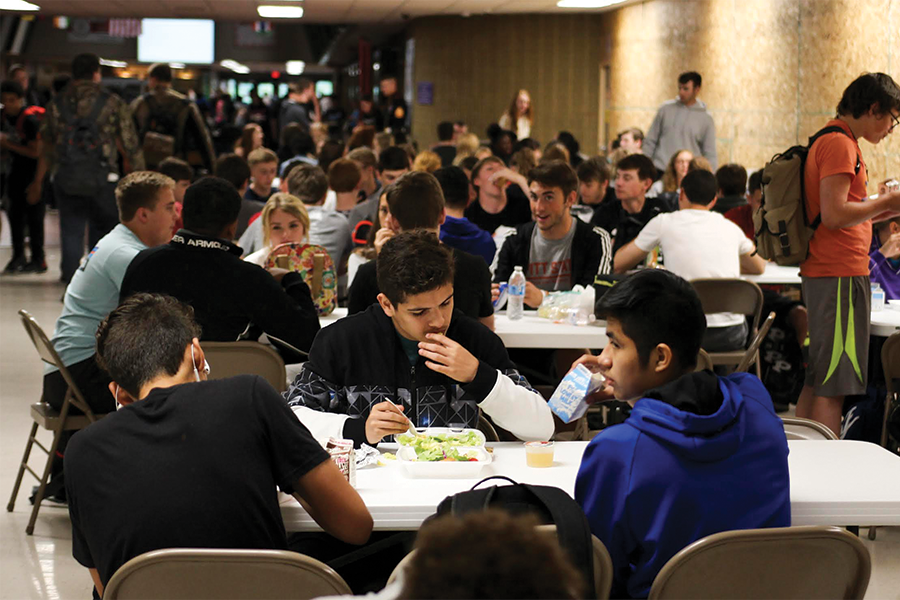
{"x": 189, "y": 41}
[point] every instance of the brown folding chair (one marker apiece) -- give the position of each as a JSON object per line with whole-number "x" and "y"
{"x": 487, "y": 428}
{"x": 46, "y": 417}
{"x": 751, "y": 355}
{"x": 227, "y": 359}
{"x": 733, "y": 296}
{"x": 797, "y": 428}
{"x": 208, "y": 574}
{"x": 890, "y": 362}
{"x": 786, "y": 562}
{"x": 704, "y": 362}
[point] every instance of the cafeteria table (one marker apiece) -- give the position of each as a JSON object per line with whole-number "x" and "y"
{"x": 776, "y": 275}
{"x": 884, "y": 322}
{"x": 842, "y": 483}
{"x": 530, "y": 331}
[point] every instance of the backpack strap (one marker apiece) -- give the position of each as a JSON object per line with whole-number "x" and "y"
{"x": 825, "y": 131}
{"x": 99, "y": 105}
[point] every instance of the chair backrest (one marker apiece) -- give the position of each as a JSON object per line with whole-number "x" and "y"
{"x": 704, "y": 362}
{"x": 750, "y": 356}
{"x": 603, "y": 568}
{"x": 227, "y": 359}
{"x": 730, "y": 295}
{"x": 797, "y": 428}
{"x": 201, "y": 573}
{"x": 48, "y": 354}
{"x": 485, "y": 427}
{"x": 787, "y": 562}
{"x": 890, "y": 361}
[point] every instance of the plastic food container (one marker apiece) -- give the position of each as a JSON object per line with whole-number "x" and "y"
{"x": 539, "y": 454}
{"x": 421, "y": 469}
{"x": 447, "y": 431}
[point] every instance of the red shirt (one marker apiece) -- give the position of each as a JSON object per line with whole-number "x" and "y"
{"x": 742, "y": 216}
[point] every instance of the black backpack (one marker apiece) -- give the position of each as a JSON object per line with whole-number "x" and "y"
{"x": 162, "y": 135}
{"x": 551, "y": 505}
{"x": 82, "y": 168}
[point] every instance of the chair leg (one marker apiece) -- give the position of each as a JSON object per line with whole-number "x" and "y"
{"x": 39, "y": 497}
{"x": 15, "y": 491}
{"x": 872, "y": 533}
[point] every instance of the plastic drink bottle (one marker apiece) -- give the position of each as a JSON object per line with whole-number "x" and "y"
{"x": 515, "y": 304}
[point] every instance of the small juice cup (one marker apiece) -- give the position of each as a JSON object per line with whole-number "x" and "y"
{"x": 539, "y": 454}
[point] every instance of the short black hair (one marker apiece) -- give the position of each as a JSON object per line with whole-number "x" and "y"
{"x": 655, "y": 306}
{"x": 393, "y": 158}
{"x": 412, "y": 263}
{"x": 330, "y": 152}
{"x": 210, "y": 205}
{"x": 61, "y": 81}
{"x": 555, "y": 173}
{"x": 594, "y": 169}
{"x": 177, "y": 169}
{"x": 455, "y": 186}
{"x": 160, "y": 71}
{"x": 469, "y": 162}
{"x": 12, "y": 87}
{"x": 416, "y": 201}
{"x": 445, "y": 131}
{"x": 699, "y": 186}
{"x": 755, "y": 181}
{"x": 732, "y": 179}
{"x": 690, "y": 76}
{"x": 568, "y": 140}
{"x": 867, "y": 90}
{"x": 85, "y": 65}
{"x": 233, "y": 169}
{"x": 145, "y": 337}
{"x": 640, "y": 163}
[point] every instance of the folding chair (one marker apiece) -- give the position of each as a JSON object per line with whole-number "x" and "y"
{"x": 890, "y": 362}
{"x": 797, "y": 428}
{"x": 732, "y": 296}
{"x": 201, "y": 574}
{"x": 786, "y": 562}
{"x": 227, "y": 359}
{"x": 46, "y": 417}
{"x": 487, "y": 428}
{"x": 751, "y": 355}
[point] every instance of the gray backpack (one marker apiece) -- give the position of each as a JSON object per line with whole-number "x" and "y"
{"x": 82, "y": 168}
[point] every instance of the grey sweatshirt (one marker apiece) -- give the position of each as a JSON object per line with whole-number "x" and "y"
{"x": 679, "y": 127}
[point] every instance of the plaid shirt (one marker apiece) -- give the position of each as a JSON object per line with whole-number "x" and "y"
{"x": 116, "y": 128}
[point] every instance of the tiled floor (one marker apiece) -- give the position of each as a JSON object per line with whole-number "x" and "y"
{"x": 41, "y": 566}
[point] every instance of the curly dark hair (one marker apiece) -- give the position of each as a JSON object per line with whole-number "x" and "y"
{"x": 144, "y": 337}
{"x": 412, "y": 263}
{"x": 489, "y": 554}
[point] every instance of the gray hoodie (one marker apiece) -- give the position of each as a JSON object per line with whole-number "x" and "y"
{"x": 679, "y": 127}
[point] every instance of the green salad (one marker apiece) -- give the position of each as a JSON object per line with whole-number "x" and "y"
{"x": 442, "y": 447}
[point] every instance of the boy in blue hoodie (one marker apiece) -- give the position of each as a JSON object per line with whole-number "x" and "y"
{"x": 699, "y": 454}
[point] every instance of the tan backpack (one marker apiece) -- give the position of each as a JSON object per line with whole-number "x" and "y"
{"x": 783, "y": 229}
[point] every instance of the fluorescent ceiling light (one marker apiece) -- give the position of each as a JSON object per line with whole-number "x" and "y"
{"x": 235, "y": 66}
{"x": 587, "y": 3}
{"x": 176, "y": 65}
{"x": 113, "y": 63}
{"x": 18, "y": 5}
{"x": 295, "y": 67}
{"x": 280, "y": 12}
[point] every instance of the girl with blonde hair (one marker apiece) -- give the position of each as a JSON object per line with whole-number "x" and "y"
{"x": 284, "y": 219}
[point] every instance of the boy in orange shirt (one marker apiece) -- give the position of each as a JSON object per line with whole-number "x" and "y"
{"x": 835, "y": 274}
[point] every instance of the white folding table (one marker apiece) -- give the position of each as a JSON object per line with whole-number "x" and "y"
{"x": 884, "y": 322}
{"x": 839, "y": 483}
{"x": 776, "y": 275}
{"x": 530, "y": 331}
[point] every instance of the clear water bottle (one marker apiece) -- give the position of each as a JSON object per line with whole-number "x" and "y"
{"x": 515, "y": 304}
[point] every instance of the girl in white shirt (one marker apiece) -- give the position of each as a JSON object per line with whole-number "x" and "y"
{"x": 519, "y": 117}
{"x": 284, "y": 219}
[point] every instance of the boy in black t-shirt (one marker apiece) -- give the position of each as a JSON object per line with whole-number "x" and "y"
{"x": 20, "y": 147}
{"x": 501, "y": 196}
{"x": 186, "y": 462}
{"x": 416, "y": 201}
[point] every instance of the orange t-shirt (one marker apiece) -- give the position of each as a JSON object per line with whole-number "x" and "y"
{"x": 840, "y": 252}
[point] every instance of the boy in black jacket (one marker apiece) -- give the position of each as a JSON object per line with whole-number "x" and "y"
{"x": 232, "y": 299}
{"x": 412, "y": 355}
{"x": 555, "y": 250}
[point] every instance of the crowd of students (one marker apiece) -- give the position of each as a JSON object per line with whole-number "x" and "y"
{"x": 419, "y": 242}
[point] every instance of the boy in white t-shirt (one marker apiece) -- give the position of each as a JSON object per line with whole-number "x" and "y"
{"x": 698, "y": 243}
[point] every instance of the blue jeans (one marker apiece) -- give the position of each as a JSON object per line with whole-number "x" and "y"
{"x": 98, "y": 214}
